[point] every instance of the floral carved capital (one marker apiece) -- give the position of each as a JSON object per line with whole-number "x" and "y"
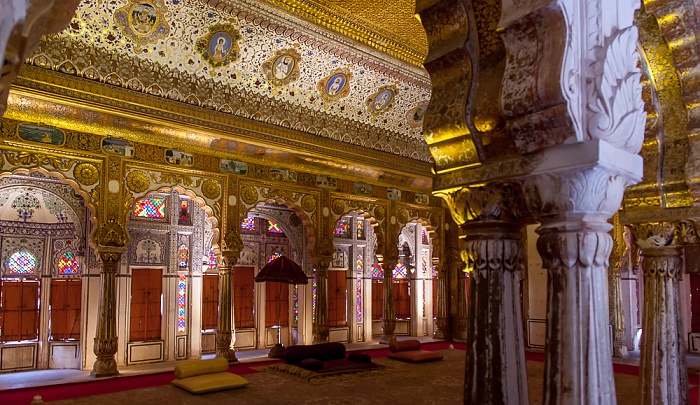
{"x": 493, "y": 202}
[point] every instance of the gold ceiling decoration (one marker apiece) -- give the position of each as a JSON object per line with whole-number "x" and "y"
{"x": 388, "y": 26}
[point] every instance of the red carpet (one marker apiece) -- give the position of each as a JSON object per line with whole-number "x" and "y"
{"x": 23, "y": 396}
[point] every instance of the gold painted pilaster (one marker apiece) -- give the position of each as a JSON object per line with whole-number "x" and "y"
{"x": 225, "y": 332}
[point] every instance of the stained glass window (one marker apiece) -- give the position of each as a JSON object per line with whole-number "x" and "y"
{"x": 400, "y": 271}
{"x": 274, "y": 256}
{"x": 360, "y": 229}
{"x": 358, "y": 294}
{"x": 272, "y": 227}
{"x": 184, "y": 212}
{"x": 377, "y": 271}
{"x": 314, "y": 296}
{"x": 68, "y": 264}
{"x": 424, "y": 263}
{"x": 296, "y": 303}
{"x": 211, "y": 259}
{"x": 21, "y": 262}
{"x": 424, "y": 237}
{"x": 341, "y": 228}
{"x": 181, "y": 302}
{"x": 150, "y": 207}
{"x": 248, "y": 223}
{"x": 183, "y": 255}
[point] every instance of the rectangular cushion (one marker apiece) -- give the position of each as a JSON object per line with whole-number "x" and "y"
{"x": 320, "y": 351}
{"x": 404, "y": 345}
{"x": 211, "y": 382}
{"x": 416, "y": 356}
{"x": 199, "y": 367}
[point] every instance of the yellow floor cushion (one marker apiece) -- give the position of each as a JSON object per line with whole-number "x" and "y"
{"x": 203, "y": 383}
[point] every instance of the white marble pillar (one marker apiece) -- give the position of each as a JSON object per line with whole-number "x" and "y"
{"x": 663, "y": 366}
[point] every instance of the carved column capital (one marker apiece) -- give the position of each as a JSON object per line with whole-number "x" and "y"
{"x": 663, "y": 262}
{"x": 497, "y": 201}
{"x": 654, "y": 234}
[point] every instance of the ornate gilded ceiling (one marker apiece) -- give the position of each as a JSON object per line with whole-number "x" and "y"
{"x": 255, "y": 61}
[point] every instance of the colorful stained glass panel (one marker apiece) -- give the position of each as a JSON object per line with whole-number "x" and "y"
{"x": 296, "y": 303}
{"x": 68, "y": 264}
{"x": 248, "y": 223}
{"x": 212, "y": 262}
{"x": 341, "y": 228}
{"x": 150, "y": 207}
{"x": 21, "y": 262}
{"x": 360, "y": 229}
{"x": 272, "y": 227}
{"x": 181, "y": 302}
{"x": 184, "y": 212}
{"x": 377, "y": 271}
{"x": 183, "y": 255}
{"x": 274, "y": 256}
{"x": 400, "y": 271}
{"x": 314, "y": 297}
{"x": 359, "y": 266}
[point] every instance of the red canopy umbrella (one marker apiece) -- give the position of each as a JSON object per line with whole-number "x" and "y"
{"x": 284, "y": 271}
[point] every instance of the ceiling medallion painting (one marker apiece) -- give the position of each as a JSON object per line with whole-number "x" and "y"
{"x": 415, "y": 115}
{"x": 220, "y": 46}
{"x": 336, "y": 85}
{"x": 283, "y": 67}
{"x": 143, "y": 20}
{"x": 382, "y": 100}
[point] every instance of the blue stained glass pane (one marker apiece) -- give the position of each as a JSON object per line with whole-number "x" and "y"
{"x": 400, "y": 271}
{"x": 341, "y": 228}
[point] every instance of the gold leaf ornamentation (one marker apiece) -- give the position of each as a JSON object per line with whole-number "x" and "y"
{"x": 137, "y": 181}
{"x": 402, "y": 216}
{"x": 86, "y": 173}
{"x": 83, "y": 141}
{"x": 211, "y": 189}
{"x": 308, "y": 203}
{"x": 338, "y": 206}
{"x": 112, "y": 234}
{"x": 380, "y": 213}
{"x": 249, "y": 194}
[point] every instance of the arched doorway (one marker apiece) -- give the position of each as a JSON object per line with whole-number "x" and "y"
{"x": 268, "y": 313}
{"x": 43, "y": 236}
{"x": 163, "y": 294}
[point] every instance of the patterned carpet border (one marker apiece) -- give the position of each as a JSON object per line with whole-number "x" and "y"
{"x": 313, "y": 377}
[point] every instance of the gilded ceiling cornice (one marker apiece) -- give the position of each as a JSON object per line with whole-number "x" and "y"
{"x": 401, "y": 39}
{"x": 78, "y": 104}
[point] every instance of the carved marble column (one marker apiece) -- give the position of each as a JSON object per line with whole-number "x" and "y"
{"x": 389, "y": 261}
{"x": 106, "y": 338}
{"x": 618, "y": 259}
{"x": 111, "y": 245}
{"x": 492, "y": 247}
{"x": 442, "y": 324}
{"x": 320, "y": 328}
{"x": 664, "y": 371}
{"x": 225, "y": 332}
{"x": 573, "y": 207}
{"x": 324, "y": 253}
{"x": 663, "y": 366}
{"x": 460, "y": 327}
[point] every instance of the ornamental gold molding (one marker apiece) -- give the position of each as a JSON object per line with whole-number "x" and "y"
{"x": 219, "y": 133}
{"x": 86, "y": 171}
{"x": 401, "y": 41}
